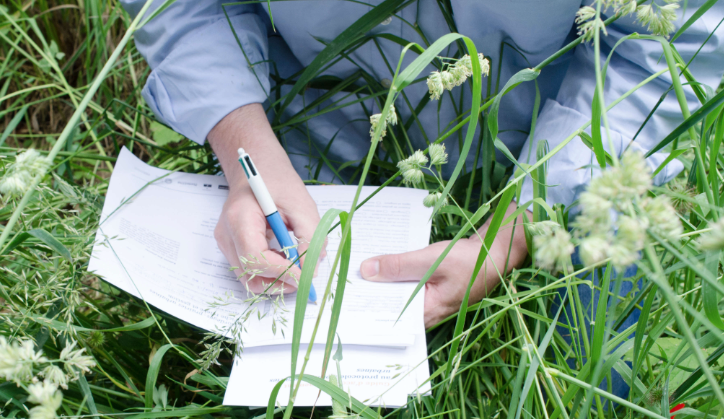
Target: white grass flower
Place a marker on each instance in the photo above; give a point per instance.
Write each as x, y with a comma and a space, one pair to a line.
631, 233
22, 172
55, 375
661, 23
588, 23
596, 214
584, 14
627, 8
635, 173
438, 155
541, 227
43, 412
459, 74
434, 85
625, 183
411, 167
32, 161
553, 251
42, 393
374, 121
392, 116
594, 249
417, 159
621, 256
74, 358
448, 80
48, 398
713, 240
465, 65
412, 176
663, 217
432, 199
17, 360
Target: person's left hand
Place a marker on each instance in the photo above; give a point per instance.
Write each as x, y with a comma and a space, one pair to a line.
445, 289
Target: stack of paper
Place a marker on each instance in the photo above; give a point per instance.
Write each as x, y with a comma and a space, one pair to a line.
156, 242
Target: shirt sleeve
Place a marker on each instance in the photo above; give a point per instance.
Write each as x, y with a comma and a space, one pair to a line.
200, 72
570, 170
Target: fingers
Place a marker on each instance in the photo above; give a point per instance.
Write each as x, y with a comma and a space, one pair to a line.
241, 236
303, 222
410, 266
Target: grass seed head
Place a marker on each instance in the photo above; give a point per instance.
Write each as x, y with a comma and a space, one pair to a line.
713, 240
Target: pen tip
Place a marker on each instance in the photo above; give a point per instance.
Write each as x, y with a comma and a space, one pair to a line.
314, 302
241, 152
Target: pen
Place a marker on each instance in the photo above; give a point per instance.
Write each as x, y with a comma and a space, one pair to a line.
263, 197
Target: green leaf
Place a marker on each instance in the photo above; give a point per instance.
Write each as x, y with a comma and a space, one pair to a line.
527, 74
13, 124
695, 117
305, 283
152, 374
163, 135
41, 235
346, 249
85, 389
490, 234
472, 124
693, 18
62, 326
710, 297
596, 131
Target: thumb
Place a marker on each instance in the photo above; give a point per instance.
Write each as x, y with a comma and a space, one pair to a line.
410, 266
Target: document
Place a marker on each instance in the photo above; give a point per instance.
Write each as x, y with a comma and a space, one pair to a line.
156, 242
376, 376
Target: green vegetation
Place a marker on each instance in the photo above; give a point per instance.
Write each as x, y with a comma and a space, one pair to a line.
70, 85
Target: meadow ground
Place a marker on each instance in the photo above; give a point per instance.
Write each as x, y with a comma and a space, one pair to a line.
70, 85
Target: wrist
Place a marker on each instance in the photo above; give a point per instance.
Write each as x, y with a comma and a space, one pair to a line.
247, 127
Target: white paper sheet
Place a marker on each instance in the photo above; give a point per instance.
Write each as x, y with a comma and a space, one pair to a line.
376, 376
160, 246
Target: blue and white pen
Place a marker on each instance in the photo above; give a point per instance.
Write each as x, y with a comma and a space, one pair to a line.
263, 197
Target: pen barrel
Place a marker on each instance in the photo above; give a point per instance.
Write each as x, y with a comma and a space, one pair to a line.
282, 235
263, 197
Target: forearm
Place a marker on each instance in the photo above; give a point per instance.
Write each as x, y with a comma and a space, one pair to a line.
507, 252
247, 127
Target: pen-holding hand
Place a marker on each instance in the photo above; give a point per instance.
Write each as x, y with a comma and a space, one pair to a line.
242, 230
445, 289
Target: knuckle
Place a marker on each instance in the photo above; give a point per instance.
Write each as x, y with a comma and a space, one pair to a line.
391, 265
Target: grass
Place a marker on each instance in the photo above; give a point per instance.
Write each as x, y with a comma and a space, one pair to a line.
67, 90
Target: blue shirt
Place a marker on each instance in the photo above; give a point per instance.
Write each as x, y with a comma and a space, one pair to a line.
200, 73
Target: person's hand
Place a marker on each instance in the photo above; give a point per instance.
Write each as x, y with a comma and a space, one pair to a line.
445, 289
242, 232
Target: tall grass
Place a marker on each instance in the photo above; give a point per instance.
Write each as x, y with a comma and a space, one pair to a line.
70, 87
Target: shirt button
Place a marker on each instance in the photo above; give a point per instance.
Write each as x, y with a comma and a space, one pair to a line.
386, 83
386, 21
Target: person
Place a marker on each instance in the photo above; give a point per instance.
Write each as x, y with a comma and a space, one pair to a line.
213, 68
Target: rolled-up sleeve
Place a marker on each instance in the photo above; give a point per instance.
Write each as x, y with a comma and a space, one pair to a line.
571, 169
200, 70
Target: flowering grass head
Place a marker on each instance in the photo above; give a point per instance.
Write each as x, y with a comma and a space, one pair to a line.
412, 166
455, 75
438, 155
713, 240
21, 174
390, 120
432, 199
622, 190
553, 249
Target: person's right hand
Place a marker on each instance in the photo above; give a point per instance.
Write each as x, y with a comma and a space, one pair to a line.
242, 232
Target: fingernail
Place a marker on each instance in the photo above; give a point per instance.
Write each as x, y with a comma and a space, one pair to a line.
370, 268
